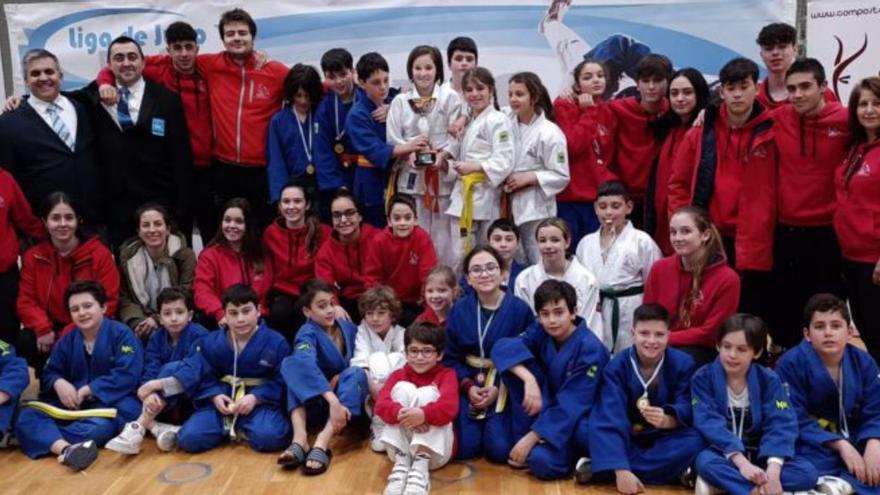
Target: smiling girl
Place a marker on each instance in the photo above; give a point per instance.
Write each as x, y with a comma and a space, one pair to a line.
486, 159
427, 109
589, 126
540, 169
554, 239
695, 284
477, 321
292, 242
234, 256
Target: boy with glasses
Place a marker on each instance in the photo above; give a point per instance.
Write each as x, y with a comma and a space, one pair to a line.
418, 404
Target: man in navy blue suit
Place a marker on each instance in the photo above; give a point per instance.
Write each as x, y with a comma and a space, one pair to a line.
48, 144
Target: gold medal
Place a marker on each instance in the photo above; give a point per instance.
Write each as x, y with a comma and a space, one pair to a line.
643, 401
310, 169
339, 148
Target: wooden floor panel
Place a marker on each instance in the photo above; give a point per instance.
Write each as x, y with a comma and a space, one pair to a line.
235, 469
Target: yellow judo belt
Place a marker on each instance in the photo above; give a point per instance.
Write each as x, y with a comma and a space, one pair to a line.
828, 425
69, 415
491, 378
390, 188
466, 221
239, 388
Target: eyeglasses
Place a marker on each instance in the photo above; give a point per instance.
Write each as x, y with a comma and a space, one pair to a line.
426, 351
339, 215
478, 270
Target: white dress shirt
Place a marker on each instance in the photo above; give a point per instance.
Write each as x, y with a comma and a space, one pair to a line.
67, 112
135, 97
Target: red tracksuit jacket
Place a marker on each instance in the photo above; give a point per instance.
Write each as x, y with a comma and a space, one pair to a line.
857, 218
810, 150
671, 146
637, 146
742, 201
401, 263
45, 276
15, 216
220, 267
342, 265
193, 93
590, 136
668, 284
292, 267
243, 101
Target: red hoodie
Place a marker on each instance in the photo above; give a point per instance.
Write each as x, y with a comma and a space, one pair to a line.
810, 149
193, 95
857, 218
400, 263
219, 268
668, 285
438, 413
590, 135
243, 101
637, 146
742, 202
671, 146
292, 266
769, 103
15, 216
45, 276
342, 265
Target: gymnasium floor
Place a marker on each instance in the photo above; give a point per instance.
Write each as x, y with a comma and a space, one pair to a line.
235, 469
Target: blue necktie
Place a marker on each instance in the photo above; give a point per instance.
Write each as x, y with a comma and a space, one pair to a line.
58, 125
122, 109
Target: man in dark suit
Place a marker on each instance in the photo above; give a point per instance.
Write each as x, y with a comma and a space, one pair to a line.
48, 144
144, 144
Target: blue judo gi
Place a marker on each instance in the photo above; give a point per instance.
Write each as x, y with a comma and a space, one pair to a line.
815, 399
770, 432
162, 359
313, 364
290, 148
209, 372
569, 379
628, 441
481, 436
112, 372
334, 169
374, 165
14, 378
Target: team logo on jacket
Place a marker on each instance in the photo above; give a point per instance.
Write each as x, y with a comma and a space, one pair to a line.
834, 132
127, 349
2, 202
413, 258
864, 170
262, 92
503, 137
759, 151
560, 157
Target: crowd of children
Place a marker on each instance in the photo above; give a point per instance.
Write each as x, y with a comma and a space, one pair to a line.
571, 286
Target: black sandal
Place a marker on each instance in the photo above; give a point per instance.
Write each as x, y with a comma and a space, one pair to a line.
320, 456
292, 457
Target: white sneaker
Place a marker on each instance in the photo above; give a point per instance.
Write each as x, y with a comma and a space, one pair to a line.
418, 480
703, 488
377, 426
166, 435
129, 441
832, 485
397, 478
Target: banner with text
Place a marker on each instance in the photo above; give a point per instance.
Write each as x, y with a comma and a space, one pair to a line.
544, 36
844, 36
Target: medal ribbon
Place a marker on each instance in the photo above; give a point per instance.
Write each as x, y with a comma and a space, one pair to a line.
306, 146
657, 369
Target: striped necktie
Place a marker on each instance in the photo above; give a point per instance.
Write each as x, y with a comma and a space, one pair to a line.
58, 125
125, 121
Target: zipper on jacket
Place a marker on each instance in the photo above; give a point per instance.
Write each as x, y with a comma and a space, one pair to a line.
238, 117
